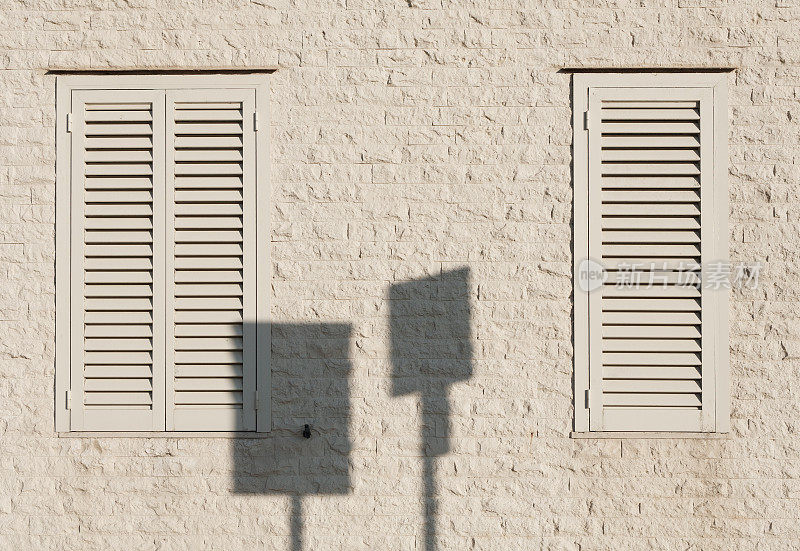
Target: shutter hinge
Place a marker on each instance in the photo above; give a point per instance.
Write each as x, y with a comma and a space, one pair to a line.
69, 399
69, 122
586, 120
255, 121
591, 399
256, 401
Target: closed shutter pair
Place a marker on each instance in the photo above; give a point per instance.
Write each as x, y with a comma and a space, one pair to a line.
650, 211
164, 261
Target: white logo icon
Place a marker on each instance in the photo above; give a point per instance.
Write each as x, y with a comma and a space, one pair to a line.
591, 275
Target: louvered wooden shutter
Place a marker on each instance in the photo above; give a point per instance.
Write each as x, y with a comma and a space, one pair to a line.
211, 260
117, 317
652, 348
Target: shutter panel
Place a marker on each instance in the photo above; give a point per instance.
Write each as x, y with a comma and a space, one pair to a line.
211, 260
650, 205
117, 333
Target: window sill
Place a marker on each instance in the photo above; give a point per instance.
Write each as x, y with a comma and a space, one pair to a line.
650, 435
132, 434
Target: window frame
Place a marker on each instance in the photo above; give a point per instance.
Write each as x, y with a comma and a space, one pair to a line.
65, 86
582, 83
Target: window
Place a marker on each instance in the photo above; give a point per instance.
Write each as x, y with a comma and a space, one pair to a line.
162, 260
650, 219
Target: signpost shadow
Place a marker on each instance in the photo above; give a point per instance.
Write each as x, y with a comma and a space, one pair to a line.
431, 350
310, 386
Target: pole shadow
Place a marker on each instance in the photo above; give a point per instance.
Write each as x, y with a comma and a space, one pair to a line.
310, 375
431, 350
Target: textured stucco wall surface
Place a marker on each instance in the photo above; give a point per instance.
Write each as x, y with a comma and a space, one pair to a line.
411, 139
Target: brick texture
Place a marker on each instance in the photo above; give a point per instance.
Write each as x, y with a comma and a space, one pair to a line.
412, 140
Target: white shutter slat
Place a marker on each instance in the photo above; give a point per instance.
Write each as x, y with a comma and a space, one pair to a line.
118, 183
622, 155
118, 358
208, 303
678, 265
121, 210
204, 276
211, 272
651, 331
209, 196
209, 370
202, 316
189, 330
119, 196
221, 236
109, 129
208, 248
648, 156
651, 318
650, 345
655, 291
651, 209
208, 289
143, 372
649, 141
652, 249
117, 317
617, 127
122, 114
108, 223
208, 222
233, 113
110, 263
108, 155
196, 155
115, 401
229, 399
119, 249
644, 236
656, 277
209, 209
649, 304
651, 222
208, 384
208, 129
119, 304
646, 372
653, 386
204, 142
117, 344
127, 236
654, 358
652, 399
209, 263
108, 330
652, 196
612, 111
208, 343
100, 290
207, 168
203, 182
119, 384
139, 142
646, 169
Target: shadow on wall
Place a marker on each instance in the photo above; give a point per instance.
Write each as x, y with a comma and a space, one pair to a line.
430, 351
310, 385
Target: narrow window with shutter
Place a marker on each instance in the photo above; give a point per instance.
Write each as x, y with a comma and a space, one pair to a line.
650, 222
162, 257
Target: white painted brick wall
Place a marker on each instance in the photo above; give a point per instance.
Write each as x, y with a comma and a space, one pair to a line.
411, 138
